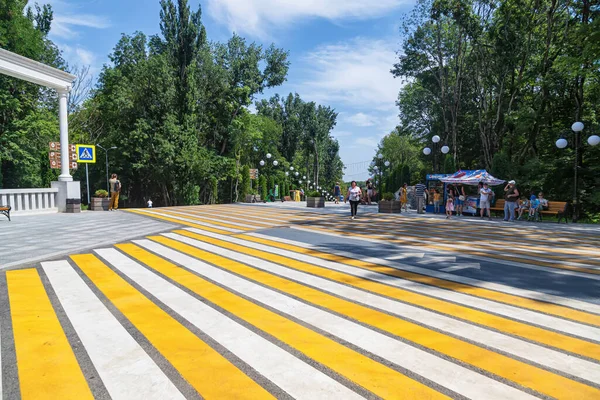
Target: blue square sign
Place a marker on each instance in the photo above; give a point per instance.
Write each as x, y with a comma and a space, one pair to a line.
86, 153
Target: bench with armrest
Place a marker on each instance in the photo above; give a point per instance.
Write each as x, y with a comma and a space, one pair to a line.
556, 208
5, 210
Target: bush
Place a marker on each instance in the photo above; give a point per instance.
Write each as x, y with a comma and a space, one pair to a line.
245, 182
387, 196
262, 183
314, 193
101, 193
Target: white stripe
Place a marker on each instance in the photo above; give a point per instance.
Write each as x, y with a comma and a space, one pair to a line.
406, 255
125, 368
150, 213
458, 248
205, 215
274, 363
461, 266
211, 219
445, 373
436, 259
530, 294
541, 355
527, 316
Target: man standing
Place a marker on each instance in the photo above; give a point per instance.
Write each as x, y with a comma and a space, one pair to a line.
420, 195
485, 199
511, 195
115, 190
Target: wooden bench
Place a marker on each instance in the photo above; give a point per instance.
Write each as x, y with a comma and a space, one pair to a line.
5, 210
558, 209
498, 207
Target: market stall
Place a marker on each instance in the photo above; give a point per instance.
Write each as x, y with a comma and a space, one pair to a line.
472, 179
434, 182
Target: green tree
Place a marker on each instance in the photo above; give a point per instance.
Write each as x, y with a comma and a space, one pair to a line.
29, 112
245, 187
262, 183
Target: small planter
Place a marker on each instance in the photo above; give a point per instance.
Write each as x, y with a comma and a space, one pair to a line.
315, 202
251, 198
99, 204
390, 207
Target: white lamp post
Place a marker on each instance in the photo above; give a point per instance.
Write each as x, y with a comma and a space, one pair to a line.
562, 143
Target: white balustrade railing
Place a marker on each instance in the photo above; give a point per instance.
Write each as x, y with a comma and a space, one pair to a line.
29, 200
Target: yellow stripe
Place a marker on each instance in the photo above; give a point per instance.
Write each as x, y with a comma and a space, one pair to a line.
46, 363
375, 234
375, 377
505, 367
547, 308
179, 222
549, 338
230, 218
212, 375
212, 222
524, 243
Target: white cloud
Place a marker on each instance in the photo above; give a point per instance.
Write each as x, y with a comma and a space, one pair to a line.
66, 20
86, 57
361, 119
340, 134
65, 26
354, 73
256, 17
367, 141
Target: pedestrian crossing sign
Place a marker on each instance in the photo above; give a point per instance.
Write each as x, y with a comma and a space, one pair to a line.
86, 153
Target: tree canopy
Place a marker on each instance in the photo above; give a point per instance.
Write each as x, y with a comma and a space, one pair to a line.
500, 82
175, 107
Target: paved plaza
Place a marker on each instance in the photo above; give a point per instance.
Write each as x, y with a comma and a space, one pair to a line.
281, 301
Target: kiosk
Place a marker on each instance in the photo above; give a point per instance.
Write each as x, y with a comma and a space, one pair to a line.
434, 182
470, 178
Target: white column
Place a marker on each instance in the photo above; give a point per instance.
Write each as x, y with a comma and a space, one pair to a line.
65, 176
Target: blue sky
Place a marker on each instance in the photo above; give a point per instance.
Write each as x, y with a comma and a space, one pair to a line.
341, 51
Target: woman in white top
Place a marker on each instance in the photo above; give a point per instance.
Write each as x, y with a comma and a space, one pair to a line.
354, 195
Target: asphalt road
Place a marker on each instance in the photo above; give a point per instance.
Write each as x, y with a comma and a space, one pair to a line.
278, 301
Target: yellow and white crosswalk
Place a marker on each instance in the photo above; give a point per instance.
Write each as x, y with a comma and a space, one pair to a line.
217, 310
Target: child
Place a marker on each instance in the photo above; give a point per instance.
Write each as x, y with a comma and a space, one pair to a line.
449, 207
534, 205
436, 201
523, 206
149, 203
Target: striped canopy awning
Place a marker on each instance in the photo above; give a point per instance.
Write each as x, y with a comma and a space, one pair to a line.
472, 178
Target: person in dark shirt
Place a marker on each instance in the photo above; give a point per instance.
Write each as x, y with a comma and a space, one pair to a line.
370, 191
511, 196
420, 195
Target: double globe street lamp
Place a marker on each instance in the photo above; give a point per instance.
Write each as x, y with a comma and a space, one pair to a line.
436, 143
562, 143
378, 168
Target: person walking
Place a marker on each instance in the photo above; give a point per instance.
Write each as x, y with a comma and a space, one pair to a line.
354, 195
485, 199
511, 195
420, 195
115, 189
337, 192
370, 191
404, 197
460, 199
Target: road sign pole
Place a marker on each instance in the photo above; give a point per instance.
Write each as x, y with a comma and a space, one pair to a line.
87, 180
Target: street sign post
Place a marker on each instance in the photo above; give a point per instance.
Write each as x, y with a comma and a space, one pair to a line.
86, 153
